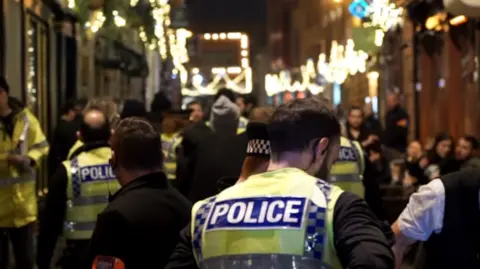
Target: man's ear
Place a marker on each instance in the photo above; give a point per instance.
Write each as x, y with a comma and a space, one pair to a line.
321, 147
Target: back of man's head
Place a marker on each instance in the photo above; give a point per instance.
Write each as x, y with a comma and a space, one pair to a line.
95, 126
295, 125
137, 145
107, 106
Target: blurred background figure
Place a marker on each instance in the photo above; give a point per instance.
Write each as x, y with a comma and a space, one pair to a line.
371, 121
465, 153
396, 124
133, 108
439, 158
197, 114
356, 129
245, 104
220, 154
65, 133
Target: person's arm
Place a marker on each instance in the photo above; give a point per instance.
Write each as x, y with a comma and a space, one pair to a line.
38, 146
422, 216
110, 238
361, 241
52, 218
182, 257
373, 195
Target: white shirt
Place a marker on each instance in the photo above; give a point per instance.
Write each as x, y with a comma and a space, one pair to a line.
424, 212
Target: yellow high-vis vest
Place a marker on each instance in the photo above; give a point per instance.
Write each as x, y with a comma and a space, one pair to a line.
279, 219
90, 183
72, 150
170, 144
18, 194
242, 125
347, 171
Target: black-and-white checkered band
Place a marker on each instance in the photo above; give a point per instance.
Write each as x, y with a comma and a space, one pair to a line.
258, 147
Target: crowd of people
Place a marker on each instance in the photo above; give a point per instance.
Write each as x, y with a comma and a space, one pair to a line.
228, 185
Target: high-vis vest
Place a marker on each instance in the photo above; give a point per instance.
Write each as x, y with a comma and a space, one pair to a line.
347, 171
281, 219
90, 183
170, 144
18, 194
72, 150
242, 125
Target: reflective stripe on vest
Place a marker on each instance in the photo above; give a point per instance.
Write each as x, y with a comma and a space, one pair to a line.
285, 256
90, 184
9, 181
170, 151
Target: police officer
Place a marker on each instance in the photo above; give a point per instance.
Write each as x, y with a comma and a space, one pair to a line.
22, 146
78, 192
286, 218
171, 141
445, 216
347, 172
109, 108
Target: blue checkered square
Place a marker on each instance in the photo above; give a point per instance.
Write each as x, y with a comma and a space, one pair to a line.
200, 219
76, 182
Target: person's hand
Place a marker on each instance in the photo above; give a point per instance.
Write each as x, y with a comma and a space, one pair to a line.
370, 140
16, 159
374, 156
423, 163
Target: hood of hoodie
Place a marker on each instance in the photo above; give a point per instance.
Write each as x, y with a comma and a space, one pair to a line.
224, 116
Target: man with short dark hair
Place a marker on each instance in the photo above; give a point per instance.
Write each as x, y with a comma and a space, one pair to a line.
196, 114
287, 217
141, 224
465, 152
78, 192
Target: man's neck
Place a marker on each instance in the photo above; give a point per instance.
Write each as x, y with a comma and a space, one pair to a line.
5, 111
133, 175
292, 161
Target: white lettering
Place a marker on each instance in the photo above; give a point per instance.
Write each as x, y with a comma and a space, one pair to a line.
263, 212
291, 209
220, 210
85, 173
238, 208
271, 216
249, 213
101, 173
94, 173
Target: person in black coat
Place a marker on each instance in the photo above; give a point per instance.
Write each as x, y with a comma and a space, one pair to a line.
395, 135
218, 155
141, 224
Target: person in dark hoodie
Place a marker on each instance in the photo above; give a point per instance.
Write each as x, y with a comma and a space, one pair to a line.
219, 154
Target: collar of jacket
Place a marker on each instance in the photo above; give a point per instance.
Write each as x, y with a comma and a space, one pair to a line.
88, 147
156, 180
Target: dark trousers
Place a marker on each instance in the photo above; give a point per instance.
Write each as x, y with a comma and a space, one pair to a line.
22, 240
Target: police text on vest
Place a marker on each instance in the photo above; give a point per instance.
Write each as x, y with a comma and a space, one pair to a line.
257, 213
97, 172
347, 154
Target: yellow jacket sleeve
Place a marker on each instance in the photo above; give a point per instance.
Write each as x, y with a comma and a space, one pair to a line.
37, 142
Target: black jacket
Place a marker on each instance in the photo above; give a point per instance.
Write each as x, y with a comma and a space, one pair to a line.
141, 224
217, 156
361, 241
396, 129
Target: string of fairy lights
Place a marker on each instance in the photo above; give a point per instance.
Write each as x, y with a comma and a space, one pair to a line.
31, 70
169, 42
